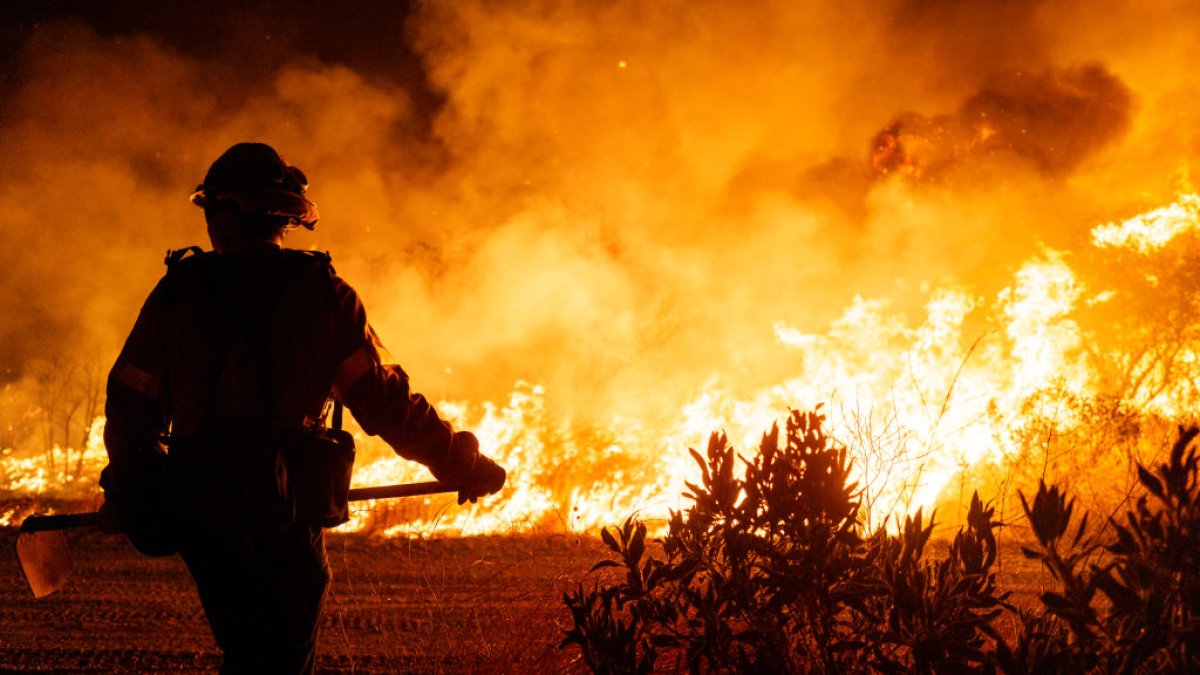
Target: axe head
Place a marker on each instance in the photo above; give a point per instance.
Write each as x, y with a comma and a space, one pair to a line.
45, 560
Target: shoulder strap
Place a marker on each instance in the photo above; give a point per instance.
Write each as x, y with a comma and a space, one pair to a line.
319, 262
176, 255
331, 293
324, 262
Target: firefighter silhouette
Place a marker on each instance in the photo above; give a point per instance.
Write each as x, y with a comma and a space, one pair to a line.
231, 365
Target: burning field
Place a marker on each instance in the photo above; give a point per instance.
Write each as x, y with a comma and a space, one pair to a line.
597, 232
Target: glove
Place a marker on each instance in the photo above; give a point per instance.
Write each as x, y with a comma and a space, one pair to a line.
464, 465
486, 478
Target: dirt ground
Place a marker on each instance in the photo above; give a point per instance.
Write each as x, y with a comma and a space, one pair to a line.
475, 605
483, 605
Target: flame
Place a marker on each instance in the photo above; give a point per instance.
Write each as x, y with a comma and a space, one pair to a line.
919, 402
1150, 231
657, 226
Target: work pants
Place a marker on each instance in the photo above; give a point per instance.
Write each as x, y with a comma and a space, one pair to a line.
263, 594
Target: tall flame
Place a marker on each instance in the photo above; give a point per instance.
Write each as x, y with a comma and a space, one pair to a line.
918, 403
666, 219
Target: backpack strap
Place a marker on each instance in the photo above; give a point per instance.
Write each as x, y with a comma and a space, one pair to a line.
176, 255
324, 261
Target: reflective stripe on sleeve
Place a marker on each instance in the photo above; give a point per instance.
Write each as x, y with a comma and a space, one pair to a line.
137, 379
353, 368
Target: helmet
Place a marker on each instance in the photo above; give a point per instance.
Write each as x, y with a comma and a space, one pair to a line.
256, 178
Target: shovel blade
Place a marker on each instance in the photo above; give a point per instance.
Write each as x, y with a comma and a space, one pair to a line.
45, 559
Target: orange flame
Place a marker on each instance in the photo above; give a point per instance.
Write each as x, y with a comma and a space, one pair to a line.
918, 402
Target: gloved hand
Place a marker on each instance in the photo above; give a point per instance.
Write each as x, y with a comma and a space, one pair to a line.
486, 478
464, 465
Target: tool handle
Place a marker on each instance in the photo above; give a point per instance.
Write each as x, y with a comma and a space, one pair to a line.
432, 487
72, 520
61, 521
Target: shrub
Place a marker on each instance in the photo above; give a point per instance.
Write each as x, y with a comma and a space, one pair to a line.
773, 573
1146, 567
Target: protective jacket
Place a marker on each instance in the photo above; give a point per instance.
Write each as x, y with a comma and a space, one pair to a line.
258, 339
227, 345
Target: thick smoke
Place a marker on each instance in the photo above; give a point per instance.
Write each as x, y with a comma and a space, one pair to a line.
1052, 121
617, 200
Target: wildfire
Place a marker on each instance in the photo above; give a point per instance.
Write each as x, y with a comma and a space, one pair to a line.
1152, 230
919, 403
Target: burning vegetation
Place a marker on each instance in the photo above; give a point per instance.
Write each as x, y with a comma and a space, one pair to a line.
601, 234
774, 573
1085, 372
597, 233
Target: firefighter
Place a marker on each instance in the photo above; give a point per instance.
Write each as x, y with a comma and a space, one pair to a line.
233, 348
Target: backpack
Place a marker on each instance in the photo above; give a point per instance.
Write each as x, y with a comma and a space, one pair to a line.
259, 478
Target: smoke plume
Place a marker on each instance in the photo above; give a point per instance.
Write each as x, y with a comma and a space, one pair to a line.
1052, 121
616, 200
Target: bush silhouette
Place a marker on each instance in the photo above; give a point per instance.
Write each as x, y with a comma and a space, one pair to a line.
774, 573
771, 573
1146, 567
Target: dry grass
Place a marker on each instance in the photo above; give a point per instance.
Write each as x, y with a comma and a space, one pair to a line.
479, 605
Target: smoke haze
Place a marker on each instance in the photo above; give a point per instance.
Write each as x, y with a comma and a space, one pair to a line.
618, 200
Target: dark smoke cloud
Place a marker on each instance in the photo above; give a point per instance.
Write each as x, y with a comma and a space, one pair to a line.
1051, 121
971, 37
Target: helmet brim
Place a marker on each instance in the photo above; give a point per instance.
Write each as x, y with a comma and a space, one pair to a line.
298, 209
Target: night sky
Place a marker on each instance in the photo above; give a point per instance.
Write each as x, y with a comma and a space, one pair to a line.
258, 36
